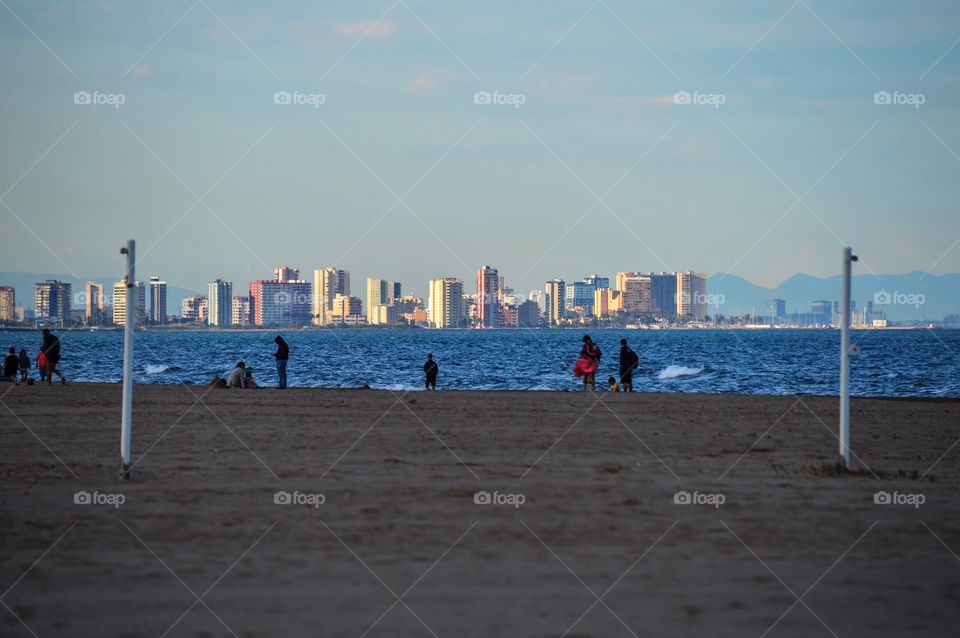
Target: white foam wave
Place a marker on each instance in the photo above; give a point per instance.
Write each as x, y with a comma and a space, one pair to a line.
672, 372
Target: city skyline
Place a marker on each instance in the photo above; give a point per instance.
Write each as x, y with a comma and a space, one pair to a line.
622, 130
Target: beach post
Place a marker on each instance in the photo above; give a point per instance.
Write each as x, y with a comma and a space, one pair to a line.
848, 259
128, 330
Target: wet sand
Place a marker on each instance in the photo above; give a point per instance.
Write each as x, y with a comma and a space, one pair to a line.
587, 541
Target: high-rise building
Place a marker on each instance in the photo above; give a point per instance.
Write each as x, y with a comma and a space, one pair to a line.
597, 281
240, 312
488, 297
555, 292
663, 294
158, 301
408, 304
692, 295
776, 308
194, 308
635, 293
378, 294
327, 284
282, 303
8, 303
539, 297
445, 308
52, 300
93, 303
220, 303
286, 273
606, 302
346, 309
396, 290
120, 302
528, 314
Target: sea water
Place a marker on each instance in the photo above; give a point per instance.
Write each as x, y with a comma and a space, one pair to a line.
890, 363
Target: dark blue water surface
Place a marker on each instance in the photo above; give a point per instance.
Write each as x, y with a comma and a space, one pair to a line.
891, 362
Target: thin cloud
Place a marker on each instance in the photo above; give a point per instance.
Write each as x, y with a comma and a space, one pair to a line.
380, 30
430, 81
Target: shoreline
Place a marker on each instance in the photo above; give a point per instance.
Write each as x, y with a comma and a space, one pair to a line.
458, 391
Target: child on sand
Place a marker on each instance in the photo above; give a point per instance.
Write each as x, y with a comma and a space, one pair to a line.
613, 385
42, 366
24, 365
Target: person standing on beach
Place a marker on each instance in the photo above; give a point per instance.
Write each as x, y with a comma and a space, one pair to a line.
24, 365
628, 363
50, 346
430, 371
588, 363
281, 355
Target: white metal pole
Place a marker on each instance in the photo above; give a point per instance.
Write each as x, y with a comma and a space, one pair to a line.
848, 258
128, 331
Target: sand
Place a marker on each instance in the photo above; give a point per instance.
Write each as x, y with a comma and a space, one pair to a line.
587, 541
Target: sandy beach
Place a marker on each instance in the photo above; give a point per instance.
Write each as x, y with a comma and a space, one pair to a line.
352, 513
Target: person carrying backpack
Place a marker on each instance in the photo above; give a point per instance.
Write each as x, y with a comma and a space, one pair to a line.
628, 363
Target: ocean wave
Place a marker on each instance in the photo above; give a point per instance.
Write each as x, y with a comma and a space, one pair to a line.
151, 368
672, 372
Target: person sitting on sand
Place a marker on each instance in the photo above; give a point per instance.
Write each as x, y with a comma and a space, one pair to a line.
430, 371
24, 365
249, 383
613, 385
235, 378
588, 363
42, 366
11, 366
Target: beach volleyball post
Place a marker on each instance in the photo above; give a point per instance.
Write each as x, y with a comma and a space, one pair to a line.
128, 328
845, 353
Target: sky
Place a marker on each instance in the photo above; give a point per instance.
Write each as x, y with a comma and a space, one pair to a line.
426, 139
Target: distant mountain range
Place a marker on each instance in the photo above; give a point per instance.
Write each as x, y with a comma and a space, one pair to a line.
913, 296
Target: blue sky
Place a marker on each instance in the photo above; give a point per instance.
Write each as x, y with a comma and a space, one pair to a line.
681, 186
